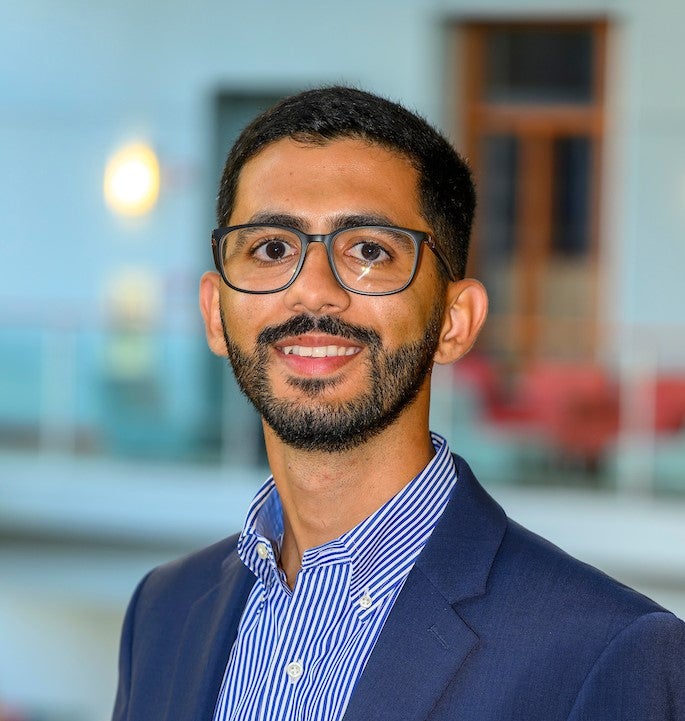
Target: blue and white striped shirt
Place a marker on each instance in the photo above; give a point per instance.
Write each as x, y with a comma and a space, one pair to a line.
299, 653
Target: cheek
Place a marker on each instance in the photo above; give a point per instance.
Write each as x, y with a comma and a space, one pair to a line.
236, 318
399, 323
245, 315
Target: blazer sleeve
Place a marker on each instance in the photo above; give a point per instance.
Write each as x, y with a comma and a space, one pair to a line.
640, 676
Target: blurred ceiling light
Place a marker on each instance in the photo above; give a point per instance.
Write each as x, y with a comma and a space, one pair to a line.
132, 180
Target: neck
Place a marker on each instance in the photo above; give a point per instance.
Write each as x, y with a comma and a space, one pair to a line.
326, 494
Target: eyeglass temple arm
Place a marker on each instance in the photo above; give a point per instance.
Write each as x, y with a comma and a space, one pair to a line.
430, 242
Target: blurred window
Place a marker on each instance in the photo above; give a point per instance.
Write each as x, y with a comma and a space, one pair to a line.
539, 64
532, 119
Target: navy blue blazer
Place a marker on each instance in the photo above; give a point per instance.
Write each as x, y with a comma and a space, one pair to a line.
492, 624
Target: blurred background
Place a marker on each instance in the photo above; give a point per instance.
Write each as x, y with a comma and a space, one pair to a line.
124, 442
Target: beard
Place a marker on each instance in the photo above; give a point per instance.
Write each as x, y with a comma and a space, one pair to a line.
394, 380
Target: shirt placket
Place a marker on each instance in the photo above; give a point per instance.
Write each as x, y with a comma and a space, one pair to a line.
289, 676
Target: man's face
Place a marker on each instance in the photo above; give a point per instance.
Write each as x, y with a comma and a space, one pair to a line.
326, 368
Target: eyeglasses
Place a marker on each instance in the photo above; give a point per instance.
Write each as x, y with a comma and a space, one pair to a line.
369, 260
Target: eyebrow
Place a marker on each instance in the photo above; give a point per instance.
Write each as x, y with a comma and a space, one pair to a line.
339, 221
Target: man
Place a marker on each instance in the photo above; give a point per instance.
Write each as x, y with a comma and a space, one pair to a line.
374, 577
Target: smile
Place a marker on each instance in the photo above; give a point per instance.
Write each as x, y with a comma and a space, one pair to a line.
321, 351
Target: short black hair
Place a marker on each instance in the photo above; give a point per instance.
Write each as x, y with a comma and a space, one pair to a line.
446, 193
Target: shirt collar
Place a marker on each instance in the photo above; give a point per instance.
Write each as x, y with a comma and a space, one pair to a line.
391, 537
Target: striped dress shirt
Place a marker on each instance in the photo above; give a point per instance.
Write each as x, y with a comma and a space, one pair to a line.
299, 653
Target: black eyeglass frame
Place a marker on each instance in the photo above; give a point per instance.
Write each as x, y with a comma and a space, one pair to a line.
418, 237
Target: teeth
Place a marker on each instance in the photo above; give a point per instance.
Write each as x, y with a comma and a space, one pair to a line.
322, 351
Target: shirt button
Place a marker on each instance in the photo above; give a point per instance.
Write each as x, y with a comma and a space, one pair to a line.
262, 551
294, 671
365, 601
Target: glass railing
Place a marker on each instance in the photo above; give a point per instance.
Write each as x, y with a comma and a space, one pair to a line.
80, 390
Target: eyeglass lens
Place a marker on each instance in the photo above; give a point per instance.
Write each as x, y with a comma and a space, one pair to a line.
369, 259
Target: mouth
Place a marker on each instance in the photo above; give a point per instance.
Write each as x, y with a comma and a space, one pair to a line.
319, 351
316, 355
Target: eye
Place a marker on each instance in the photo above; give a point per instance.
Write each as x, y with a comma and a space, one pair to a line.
273, 250
369, 252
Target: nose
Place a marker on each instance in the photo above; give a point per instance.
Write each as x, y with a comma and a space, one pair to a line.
316, 290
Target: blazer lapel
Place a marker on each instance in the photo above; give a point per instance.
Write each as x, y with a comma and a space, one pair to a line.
208, 635
424, 641
422, 646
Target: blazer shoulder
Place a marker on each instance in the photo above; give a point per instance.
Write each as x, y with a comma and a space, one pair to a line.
191, 576
563, 592
538, 555
526, 569
587, 636
641, 669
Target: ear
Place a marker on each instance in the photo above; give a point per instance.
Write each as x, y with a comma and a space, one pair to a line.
210, 286
466, 308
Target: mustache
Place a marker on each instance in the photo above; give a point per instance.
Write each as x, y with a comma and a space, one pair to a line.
300, 324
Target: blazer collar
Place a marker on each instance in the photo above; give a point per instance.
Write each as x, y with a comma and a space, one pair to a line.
460, 552
425, 641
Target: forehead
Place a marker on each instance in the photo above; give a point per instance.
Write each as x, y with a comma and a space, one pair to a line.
347, 175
